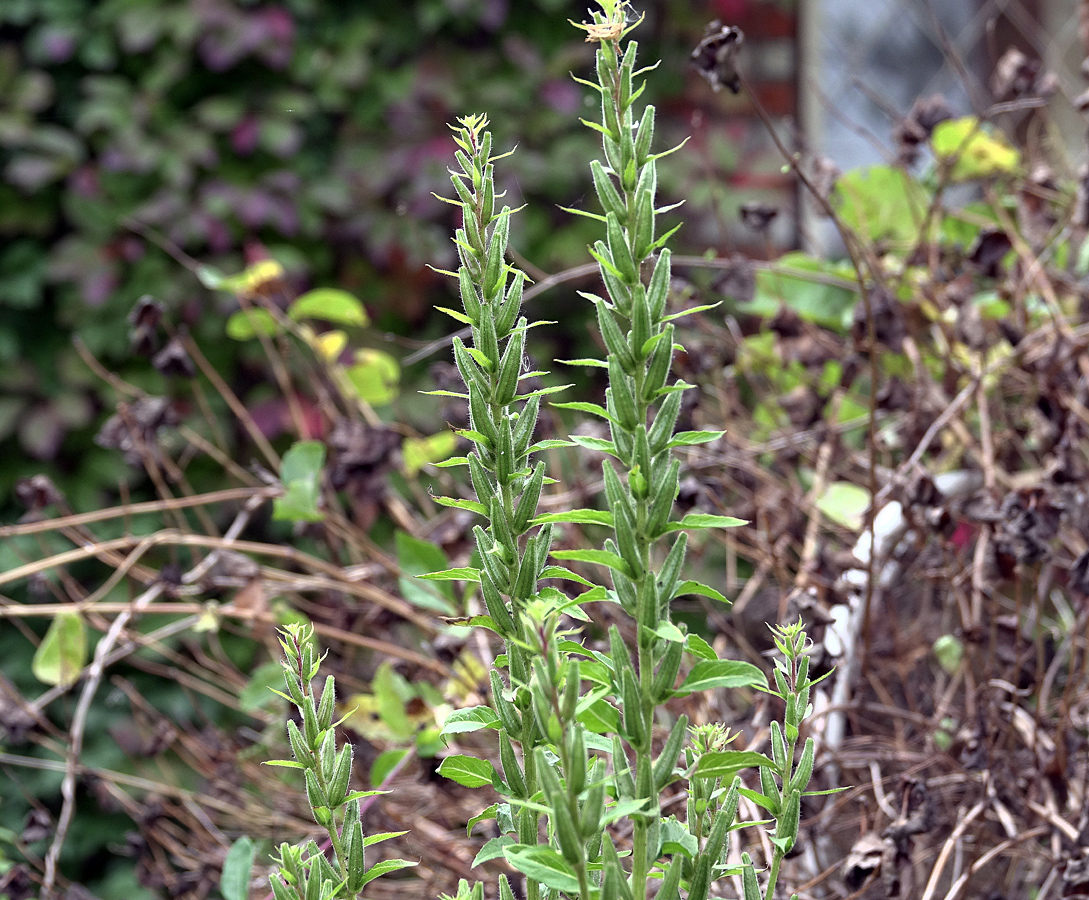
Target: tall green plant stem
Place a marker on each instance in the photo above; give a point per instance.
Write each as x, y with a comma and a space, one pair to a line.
638, 364
501, 424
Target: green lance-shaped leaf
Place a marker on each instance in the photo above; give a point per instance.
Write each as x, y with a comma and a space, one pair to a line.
470, 301
607, 193
342, 773
643, 221
495, 266
671, 750
644, 136
531, 495
632, 709
593, 807
509, 716
354, 853
666, 677
623, 776
770, 790
778, 747
512, 302
471, 372
626, 540
497, 609
664, 422
804, 771
482, 483
621, 252
615, 342
512, 771
486, 340
623, 398
664, 498
576, 759
661, 361
504, 452
327, 706
327, 757
510, 366
467, 771
670, 889
789, 818
658, 289
494, 567
545, 865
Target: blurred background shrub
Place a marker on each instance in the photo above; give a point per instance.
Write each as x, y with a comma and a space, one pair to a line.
140, 138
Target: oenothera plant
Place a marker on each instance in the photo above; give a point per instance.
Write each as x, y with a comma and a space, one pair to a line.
576, 726
578, 742
305, 872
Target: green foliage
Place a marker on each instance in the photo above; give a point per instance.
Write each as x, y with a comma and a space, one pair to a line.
880, 203
973, 150
585, 758
304, 872
62, 654
827, 304
234, 880
301, 476
134, 133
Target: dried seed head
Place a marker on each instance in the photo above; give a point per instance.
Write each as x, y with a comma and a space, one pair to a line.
715, 57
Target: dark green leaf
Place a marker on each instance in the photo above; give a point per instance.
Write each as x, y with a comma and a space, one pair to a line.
545, 865
724, 763
721, 673
467, 771
472, 719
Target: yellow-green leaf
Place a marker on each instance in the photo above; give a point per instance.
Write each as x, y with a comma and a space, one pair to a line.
329, 305
978, 152
374, 376
246, 324
62, 653
419, 452
844, 503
